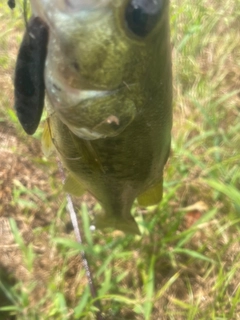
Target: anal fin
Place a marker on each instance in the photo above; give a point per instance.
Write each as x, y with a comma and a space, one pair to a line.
151, 196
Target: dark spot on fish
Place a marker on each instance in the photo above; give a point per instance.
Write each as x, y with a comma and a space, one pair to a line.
56, 87
76, 66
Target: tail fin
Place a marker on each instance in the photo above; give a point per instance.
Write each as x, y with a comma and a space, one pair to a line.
126, 225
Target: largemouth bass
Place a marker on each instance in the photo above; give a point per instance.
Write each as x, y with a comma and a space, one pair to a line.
109, 90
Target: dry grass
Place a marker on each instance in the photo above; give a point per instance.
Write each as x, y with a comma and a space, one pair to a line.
186, 265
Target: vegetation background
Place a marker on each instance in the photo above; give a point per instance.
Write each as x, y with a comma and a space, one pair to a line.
187, 263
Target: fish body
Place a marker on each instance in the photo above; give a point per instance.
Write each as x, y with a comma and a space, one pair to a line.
109, 87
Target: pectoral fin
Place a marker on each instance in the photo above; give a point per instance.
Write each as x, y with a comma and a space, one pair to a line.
47, 144
152, 196
73, 186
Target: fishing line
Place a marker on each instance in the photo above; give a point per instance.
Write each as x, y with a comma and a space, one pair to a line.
25, 14
78, 236
12, 5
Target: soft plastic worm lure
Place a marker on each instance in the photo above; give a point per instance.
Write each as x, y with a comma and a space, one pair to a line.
29, 75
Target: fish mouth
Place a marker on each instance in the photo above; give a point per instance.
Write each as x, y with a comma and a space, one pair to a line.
85, 4
46, 9
90, 114
72, 4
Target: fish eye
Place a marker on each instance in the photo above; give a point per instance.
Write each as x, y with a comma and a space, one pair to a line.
142, 15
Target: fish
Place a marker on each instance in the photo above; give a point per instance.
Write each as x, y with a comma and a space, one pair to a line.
108, 83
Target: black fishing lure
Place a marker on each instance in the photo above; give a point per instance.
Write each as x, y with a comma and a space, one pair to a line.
29, 75
11, 4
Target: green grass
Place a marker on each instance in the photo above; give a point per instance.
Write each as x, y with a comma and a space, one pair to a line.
180, 268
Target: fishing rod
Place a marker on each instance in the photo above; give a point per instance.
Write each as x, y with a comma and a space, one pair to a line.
73, 216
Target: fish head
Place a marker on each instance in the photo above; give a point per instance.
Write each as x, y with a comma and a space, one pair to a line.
101, 56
